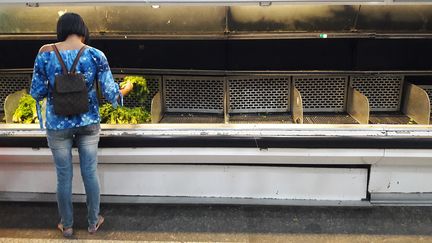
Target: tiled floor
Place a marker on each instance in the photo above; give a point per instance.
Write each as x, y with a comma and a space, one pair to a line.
35, 222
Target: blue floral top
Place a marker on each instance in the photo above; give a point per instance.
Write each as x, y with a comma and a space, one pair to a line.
93, 64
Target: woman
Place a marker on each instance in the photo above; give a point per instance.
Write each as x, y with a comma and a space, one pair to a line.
82, 129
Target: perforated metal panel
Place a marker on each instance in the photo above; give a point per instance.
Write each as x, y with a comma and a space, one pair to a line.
193, 94
428, 89
328, 119
251, 94
11, 83
192, 118
152, 84
322, 93
383, 91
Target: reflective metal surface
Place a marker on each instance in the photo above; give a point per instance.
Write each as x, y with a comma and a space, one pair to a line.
156, 108
118, 20
417, 104
291, 18
358, 106
428, 89
223, 22
296, 106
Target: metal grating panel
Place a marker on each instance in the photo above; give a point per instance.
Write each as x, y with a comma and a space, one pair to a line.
193, 94
261, 118
383, 91
327, 118
390, 119
251, 94
428, 89
152, 84
192, 118
11, 83
322, 93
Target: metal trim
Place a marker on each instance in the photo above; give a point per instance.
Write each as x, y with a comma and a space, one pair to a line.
135, 140
39, 3
150, 71
79, 198
287, 157
227, 36
412, 199
226, 101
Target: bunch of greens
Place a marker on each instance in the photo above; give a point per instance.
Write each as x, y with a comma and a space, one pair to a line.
123, 115
140, 90
26, 111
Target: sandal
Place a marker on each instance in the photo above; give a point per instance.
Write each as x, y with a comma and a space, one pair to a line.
94, 227
67, 232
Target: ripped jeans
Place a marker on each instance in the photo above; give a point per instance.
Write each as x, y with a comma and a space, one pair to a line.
60, 142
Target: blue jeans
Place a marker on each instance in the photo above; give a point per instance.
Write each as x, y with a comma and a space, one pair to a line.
60, 142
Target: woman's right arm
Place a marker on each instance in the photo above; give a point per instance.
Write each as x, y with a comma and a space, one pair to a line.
110, 89
127, 88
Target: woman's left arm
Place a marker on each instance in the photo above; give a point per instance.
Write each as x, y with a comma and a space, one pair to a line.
39, 84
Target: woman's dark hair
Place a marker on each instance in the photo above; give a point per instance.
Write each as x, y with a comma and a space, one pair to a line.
69, 24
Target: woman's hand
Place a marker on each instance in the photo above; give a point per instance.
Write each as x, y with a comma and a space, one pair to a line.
127, 88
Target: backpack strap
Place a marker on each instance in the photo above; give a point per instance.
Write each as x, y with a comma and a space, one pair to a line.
65, 71
77, 59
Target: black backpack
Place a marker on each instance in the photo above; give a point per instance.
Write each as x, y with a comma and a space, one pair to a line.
70, 93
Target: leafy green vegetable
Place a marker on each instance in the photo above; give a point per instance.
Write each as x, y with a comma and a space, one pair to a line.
123, 115
140, 90
26, 111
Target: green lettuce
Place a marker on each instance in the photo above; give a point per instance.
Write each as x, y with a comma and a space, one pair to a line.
123, 115
26, 111
140, 90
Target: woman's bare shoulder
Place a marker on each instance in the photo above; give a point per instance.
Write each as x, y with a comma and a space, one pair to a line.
46, 48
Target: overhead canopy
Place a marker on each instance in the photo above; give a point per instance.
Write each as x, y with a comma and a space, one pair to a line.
214, 2
224, 22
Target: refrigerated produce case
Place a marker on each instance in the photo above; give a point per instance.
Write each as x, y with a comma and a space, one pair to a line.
249, 104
